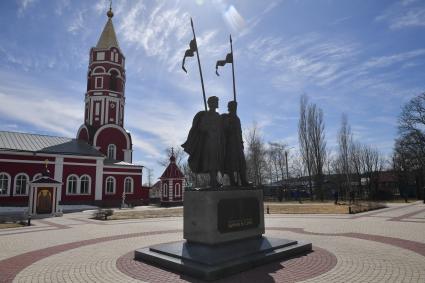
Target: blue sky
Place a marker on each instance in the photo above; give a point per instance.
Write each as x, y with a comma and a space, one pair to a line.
362, 58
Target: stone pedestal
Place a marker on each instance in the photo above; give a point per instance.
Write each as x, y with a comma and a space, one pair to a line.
217, 216
223, 230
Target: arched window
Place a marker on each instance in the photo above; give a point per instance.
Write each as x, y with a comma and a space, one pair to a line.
112, 149
128, 185
113, 83
85, 185
165, 190
37, 176
72, 185
110, 185
21, 184
178, 189
4, 184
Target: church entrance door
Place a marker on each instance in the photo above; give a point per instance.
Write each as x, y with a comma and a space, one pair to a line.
44, 200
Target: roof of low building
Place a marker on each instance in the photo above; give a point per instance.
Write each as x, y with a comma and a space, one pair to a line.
45, 180
25, 142
172, 171
114, 162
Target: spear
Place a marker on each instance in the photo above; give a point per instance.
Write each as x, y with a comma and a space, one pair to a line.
229, 59
193, 47
233, 69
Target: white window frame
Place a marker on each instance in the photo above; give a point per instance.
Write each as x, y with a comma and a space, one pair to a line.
96, 84
114, 157
165, 190
131, 185
178, 190
26, 186
37, 176
97, 106
77, 184
100, 56
8, 184
80, 185
113, 185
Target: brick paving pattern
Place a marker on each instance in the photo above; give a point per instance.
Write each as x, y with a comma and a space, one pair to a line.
381, 246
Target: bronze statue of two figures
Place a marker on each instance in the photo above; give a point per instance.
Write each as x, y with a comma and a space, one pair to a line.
215, 143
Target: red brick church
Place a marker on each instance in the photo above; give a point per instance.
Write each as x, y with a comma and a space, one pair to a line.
95, 167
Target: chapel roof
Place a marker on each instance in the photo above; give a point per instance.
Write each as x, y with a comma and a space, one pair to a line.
172, 171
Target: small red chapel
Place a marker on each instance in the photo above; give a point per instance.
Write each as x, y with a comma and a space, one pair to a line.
172, 184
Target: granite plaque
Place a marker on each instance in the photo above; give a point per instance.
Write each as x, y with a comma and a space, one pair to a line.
238, 214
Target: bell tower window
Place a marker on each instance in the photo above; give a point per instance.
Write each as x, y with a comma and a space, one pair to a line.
100, 56
99, 82
112, 149
113, 83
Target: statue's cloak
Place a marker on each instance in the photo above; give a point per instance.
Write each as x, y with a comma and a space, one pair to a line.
205, 143
195, 143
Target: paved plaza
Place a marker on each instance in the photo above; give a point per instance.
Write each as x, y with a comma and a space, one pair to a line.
386, 245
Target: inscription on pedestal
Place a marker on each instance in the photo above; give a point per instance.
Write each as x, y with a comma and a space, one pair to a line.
238, 214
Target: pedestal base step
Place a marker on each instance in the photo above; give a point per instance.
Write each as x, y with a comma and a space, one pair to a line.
213, 262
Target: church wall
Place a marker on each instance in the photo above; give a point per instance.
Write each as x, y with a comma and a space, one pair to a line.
124, 169
27, 156
111, 135
139, 196
79, 171
80, 160
83, 135
14, 168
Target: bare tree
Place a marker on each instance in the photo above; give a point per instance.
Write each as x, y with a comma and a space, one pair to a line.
149, 176
179, 154
410, 145
316, 139
305, 146
276, 162
296, 166
311, 134
373, 164
344, 142
255, 156
356, 150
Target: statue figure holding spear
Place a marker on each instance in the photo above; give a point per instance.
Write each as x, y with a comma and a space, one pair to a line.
205, 142
234, 164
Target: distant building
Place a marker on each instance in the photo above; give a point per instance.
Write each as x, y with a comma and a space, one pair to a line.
94, 168
155, 193
172, 179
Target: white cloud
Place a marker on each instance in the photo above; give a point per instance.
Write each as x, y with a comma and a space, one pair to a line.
254, 21
412, 18
77, 22
61, 6
234, 19
155, 31
46, 109
403, 14
301, 60
23, 5
385, 61
145, 146
165, 120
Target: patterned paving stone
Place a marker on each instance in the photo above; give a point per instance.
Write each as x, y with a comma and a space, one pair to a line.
379, 246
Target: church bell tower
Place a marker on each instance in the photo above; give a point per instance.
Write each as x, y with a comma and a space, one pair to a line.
105, 95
